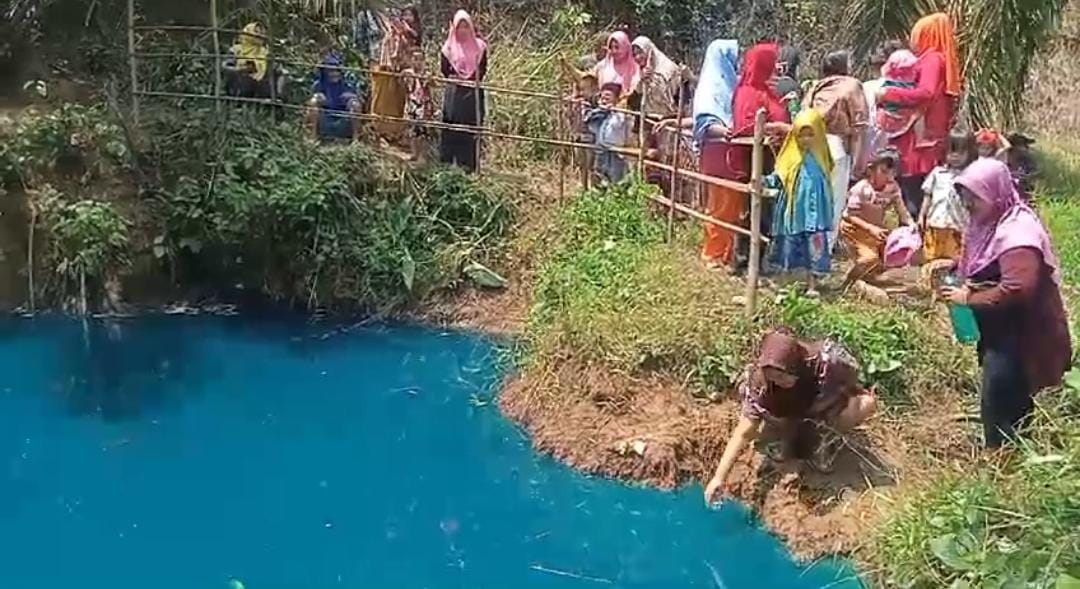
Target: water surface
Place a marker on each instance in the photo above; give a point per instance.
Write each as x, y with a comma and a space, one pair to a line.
186, 452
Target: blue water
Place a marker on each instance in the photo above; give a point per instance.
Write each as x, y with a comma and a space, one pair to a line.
186, 452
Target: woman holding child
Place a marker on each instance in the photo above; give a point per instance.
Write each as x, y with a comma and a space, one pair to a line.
938, 85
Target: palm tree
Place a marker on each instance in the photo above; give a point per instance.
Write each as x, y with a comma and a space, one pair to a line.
999, 39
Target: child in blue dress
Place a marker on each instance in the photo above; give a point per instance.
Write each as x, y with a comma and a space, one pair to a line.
802, 217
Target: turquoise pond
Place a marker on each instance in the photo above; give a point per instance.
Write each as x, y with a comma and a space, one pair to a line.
193, 452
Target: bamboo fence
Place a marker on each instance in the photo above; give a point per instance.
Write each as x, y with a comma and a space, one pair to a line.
753, 189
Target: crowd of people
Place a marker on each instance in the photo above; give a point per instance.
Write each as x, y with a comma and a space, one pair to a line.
395, 91
846, 155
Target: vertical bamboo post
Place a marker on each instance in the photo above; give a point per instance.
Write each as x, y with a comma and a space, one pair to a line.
756, 169
676, 182
641, 133
479, 123
270, 51
561, 114
132, 61
217, 54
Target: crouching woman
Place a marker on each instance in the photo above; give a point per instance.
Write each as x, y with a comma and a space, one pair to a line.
793, 384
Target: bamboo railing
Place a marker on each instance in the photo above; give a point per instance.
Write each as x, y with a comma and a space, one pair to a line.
753, 189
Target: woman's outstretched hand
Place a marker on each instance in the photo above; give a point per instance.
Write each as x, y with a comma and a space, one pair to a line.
714, 491
956, 295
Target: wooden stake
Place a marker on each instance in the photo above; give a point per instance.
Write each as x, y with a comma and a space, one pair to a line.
560, 112
757, 164
217, 51
641, 135
479, 122
270, 51
30, 258
676, 180
133, 63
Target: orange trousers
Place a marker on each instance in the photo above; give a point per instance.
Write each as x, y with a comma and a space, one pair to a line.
725, 205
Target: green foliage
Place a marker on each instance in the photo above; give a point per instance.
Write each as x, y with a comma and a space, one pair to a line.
1015, 524
998, 40
611, 290
243, 195
73, 140
900, 351
90, 238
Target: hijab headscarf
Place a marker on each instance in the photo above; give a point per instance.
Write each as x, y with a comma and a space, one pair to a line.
463, 49
935, 33
782, 351
336, 93
662, 65
900, 66
789, 164
1012, 225
251, 49
619, 66
716, 86
759, 66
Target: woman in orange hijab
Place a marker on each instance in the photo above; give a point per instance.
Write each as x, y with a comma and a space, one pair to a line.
939, 83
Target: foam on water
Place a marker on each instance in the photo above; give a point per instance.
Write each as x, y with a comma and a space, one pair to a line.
189, 452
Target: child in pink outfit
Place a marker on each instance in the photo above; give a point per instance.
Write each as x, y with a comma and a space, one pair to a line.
895, 119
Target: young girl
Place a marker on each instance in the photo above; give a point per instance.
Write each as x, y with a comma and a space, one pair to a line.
802, 216
863, 226
418, 105
943, 217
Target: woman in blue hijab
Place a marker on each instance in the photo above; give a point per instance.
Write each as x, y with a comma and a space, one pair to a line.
335, 102
715, 91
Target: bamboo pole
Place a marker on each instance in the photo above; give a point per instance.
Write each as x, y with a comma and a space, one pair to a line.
479, 123
757, 162
667, 202
132, 61
217, 51
676, 181
30, 258
270, 51
560, 113
193, 28
641, 134
702, 178
362, 70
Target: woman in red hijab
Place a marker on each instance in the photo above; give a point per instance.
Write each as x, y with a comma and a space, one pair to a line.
755, 91
938, 85
732, 161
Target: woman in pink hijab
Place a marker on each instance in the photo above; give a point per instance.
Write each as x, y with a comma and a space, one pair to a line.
1013, 286
619, 66
464, 57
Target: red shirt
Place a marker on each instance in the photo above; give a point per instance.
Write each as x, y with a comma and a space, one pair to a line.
920, 155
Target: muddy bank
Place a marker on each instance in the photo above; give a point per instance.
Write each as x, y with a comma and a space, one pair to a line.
651, 430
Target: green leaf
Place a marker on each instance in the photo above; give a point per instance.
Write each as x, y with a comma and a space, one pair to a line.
947, 549
408, 271
1067, 581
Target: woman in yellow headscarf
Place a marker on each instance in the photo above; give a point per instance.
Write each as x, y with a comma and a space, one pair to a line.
803, 215
247, 70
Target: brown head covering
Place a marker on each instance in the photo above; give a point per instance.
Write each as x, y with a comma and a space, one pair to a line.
782, 351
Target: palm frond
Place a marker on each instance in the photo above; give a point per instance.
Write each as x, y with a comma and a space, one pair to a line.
998, 39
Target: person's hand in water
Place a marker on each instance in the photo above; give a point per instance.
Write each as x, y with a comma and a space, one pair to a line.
714, 491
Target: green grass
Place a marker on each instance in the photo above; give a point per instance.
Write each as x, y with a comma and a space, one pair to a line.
613, 291
1012, 521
